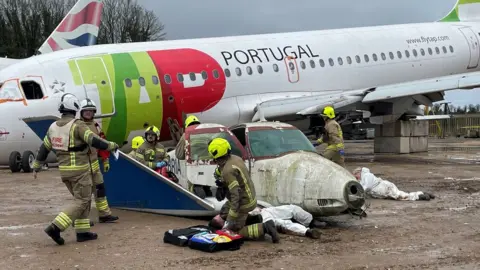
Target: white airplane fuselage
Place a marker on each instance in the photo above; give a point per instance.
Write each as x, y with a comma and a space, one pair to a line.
221, 80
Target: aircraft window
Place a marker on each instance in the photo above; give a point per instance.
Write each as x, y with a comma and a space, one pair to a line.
384, 57
141, 81
340, 61
415, 53
430, 51
204, 75
215, 74
391, 55
374, 56
312, 64
260, 69
399, 54
9, 90
155, 79
437, 50
451, 48
167, 78
302, 65
199, 145
444, 49
276, 142
180, 77
322, 63
422, 52
128, 83
366, 58
275, 67
227, 72
407, 53
238, 71
32, 90
330, 61
357, 58
349, 60
249, 71
192, 76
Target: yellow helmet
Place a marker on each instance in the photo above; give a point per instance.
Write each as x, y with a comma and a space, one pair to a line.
219, 147
153, 130
137, 141
329, 112
192, 119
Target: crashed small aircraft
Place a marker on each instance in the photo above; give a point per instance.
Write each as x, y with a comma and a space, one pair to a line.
284, 166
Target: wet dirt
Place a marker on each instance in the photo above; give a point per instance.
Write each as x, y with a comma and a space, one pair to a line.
440, 234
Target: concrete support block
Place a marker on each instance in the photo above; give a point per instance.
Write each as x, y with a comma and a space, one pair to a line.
397, 145
418, 144
419, 128
395, 129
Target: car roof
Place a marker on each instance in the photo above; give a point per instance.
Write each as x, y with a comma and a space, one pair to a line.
268, 124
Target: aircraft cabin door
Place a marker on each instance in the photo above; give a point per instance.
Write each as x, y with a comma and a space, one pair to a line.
292, 69
473, 45
97, 84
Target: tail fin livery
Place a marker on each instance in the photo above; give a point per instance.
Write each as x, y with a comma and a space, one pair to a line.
79, 28
464, 11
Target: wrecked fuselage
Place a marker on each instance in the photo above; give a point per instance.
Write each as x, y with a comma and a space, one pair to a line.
283, 165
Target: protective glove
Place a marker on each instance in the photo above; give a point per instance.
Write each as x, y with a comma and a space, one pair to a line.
315, 144
341, 152
220, 194
161, 164
106, 166
228, 225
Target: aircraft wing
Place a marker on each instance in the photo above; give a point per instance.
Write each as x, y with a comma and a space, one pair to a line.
421, 92
40, 124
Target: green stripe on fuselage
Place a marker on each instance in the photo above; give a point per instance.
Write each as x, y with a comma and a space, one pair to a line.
144, 109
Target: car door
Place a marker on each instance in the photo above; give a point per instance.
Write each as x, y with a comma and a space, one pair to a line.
199, 165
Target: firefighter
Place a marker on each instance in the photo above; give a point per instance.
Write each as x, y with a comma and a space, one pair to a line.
70, 138
87, 111
136, 142
333, 137
180, 148
239, 191
152, 153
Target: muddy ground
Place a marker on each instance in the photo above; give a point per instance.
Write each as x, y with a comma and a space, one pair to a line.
440, 234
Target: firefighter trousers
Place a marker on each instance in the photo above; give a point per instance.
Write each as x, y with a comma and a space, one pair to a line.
99, 193
335, 156
250, 232
80, 186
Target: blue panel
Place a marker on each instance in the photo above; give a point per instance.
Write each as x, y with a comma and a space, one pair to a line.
130, 184
86, 39
40, 127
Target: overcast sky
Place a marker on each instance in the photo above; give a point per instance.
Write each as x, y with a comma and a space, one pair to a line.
215, 18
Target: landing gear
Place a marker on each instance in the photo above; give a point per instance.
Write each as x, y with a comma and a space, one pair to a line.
23, 162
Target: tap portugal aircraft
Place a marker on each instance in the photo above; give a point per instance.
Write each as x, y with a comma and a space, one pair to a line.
388, 71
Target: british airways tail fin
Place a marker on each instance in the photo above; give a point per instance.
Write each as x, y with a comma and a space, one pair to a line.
79, 28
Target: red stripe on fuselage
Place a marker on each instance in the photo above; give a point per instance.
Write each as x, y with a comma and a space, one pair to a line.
178, 97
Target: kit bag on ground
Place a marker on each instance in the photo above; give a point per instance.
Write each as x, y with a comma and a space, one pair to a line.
213, 242
180, 237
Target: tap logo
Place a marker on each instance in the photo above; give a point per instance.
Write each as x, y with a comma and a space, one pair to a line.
57, 87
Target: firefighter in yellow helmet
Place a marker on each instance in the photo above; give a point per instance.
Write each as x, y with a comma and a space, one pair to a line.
181, 146
235, 181
333, 137
136, 142
152, 153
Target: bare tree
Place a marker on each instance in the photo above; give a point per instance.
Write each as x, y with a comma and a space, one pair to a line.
126, 21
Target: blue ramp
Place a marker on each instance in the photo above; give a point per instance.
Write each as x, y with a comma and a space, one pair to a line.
133, 186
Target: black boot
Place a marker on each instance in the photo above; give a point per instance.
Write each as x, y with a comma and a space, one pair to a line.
317, 224
430, 195
314, 234
54, 232
86, 236
424, 197
108, 219
269, 228
92, 224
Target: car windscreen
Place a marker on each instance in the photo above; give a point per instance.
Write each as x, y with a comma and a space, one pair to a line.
275, 142
199, 145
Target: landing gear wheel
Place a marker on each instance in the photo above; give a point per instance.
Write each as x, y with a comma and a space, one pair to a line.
27, 161
199, 191
15, 162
